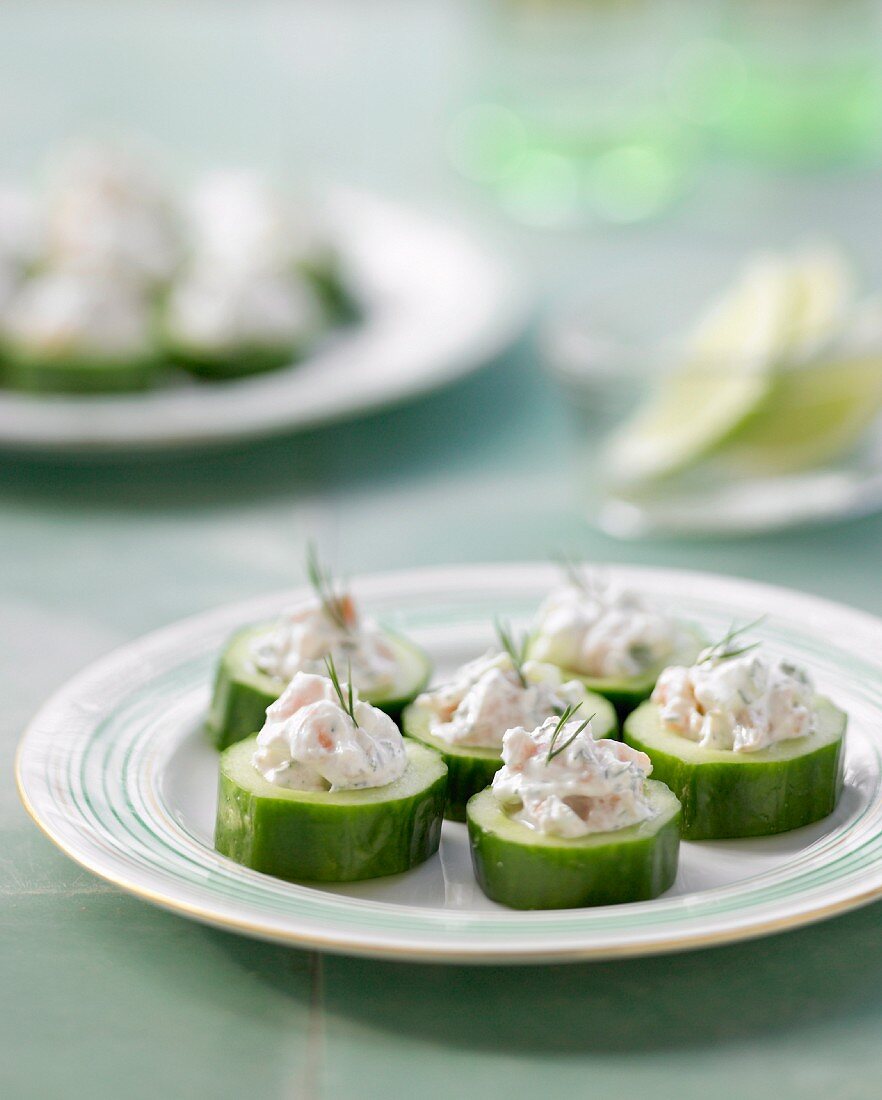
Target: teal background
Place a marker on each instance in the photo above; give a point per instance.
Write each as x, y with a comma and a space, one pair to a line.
103, 996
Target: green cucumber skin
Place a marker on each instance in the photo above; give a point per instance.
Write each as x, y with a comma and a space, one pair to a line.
743, 799
528, 876
241, 364
327, 841
239, 700
238, 708
470, 771
324, 277
466, 775
73, 377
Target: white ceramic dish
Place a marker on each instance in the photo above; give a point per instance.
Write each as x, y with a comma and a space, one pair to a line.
116, 771
437, 306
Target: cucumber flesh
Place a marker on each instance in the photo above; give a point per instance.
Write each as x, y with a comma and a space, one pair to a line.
320, 836
734, 794
470, 769
525, 869
242, 692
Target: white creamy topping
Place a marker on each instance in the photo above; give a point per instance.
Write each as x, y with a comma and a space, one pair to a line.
589, 787
305, 637
239, 221
739, 703
486, 698
107, 214
224, 309
61, 314
598, 631
310, 743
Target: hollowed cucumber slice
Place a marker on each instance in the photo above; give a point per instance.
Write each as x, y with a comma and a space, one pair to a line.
219, 365
319, 836
471, 769
242, 692
732, 794
524, 869
37, 374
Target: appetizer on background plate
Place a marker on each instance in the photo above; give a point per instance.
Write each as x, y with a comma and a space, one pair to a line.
124, 277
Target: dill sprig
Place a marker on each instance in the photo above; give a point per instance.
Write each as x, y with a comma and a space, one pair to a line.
724, 650
553, 748
347, 701
322, 581
517, 650
581, 576
573, 571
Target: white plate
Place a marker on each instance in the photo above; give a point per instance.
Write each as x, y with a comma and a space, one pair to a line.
437, 306
115, 770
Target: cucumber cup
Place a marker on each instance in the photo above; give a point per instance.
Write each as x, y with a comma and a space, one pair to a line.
220, 365
77, 375
739, 794
525, 869
242, 692
325, 836
324, 273
470, 769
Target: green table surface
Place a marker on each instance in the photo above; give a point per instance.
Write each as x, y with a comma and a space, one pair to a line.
104, 996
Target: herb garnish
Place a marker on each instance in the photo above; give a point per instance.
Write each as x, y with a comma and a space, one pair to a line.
553, 748
517, 650
322, 582
347, 702
723, 650
573, 571
581, 576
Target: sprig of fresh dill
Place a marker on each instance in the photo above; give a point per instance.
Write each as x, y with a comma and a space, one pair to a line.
580, 575
322, 581
573, 571
347, 701
516, 649
553, 748
723, 649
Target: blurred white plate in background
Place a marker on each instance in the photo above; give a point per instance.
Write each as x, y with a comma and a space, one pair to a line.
437, 306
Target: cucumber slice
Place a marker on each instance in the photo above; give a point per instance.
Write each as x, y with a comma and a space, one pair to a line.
319, 836
217, 366
325, 276
623, 692
471, 769
42, 375
242, 693
524, 869
729, 794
